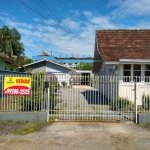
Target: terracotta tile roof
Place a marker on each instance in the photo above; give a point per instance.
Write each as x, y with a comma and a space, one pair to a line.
9, 60
123, 44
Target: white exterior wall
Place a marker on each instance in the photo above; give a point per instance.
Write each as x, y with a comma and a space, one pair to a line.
61, 73
61, 77
113, 89
127, 90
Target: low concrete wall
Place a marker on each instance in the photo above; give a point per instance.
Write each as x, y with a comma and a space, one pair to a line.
24, 116
143, 118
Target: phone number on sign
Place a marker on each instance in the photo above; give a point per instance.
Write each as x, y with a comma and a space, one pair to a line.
18, 91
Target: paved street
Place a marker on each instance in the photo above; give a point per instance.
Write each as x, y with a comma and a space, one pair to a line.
81, 136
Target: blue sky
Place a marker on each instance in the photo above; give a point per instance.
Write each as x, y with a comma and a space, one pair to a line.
67, 27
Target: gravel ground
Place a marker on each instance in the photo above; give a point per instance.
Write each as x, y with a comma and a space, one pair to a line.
79, 98
81, 136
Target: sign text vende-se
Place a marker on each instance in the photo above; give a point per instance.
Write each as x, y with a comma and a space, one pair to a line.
17, 86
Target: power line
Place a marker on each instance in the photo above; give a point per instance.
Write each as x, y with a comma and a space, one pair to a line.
2, 22
40, 14
30, 50
64, 25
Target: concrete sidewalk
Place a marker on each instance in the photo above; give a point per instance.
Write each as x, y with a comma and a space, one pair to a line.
81, 136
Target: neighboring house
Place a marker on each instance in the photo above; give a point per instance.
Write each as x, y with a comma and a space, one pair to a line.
65, 61
7, 67
125, 54
7, 64
61, 72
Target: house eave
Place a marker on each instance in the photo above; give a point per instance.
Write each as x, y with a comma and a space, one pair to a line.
111, 62
97, 60
128, 61
134, 61
49, 62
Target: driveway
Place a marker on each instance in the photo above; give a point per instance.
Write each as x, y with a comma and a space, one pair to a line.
81, 136
83, 102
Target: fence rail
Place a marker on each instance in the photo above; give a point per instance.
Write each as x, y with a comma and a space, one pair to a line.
81, 98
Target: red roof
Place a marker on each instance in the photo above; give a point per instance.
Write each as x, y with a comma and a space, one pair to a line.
9, 60
123, 44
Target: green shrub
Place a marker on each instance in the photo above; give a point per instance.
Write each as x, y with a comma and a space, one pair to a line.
146, 102
64, 83
140, 108
39, 94
122, 104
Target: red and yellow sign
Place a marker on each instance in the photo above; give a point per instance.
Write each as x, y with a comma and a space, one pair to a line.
19, 86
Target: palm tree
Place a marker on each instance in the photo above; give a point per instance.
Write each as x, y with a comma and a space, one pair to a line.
10, 43
4, 36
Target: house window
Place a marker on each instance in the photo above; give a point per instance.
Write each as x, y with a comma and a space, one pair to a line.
137, 73
11, 69
5, 68
127, 73
147, 73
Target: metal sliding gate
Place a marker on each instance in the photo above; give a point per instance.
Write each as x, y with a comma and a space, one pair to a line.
85, 98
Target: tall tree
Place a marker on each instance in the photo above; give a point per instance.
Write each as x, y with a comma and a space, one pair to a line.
4, 36
22, 60
10, 43
84, 66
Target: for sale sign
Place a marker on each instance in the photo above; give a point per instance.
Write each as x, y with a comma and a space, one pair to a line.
17, 86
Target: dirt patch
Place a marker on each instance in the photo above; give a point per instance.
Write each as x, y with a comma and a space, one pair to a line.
147, 126
121, 142
7, 127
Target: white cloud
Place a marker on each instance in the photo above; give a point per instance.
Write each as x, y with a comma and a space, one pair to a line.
87, 13
50, 22
24, 31
103, 22
141, 24
71, 24
130, 7
14, 24
74, 13
36, 19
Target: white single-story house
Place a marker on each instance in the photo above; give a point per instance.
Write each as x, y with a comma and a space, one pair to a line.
124, 54
61, 72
